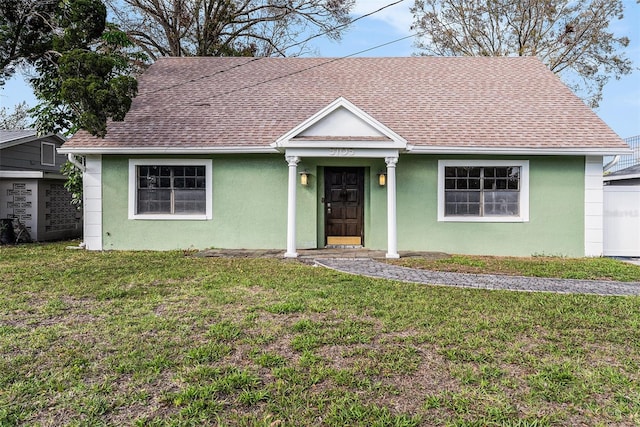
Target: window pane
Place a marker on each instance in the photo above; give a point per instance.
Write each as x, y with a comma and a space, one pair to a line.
190, 201
482, 191
513, 178
496, 178
147, 177
154, 201
462, 203
171, 190
449, 184
178, 182
48, 154
501, 203
462, 178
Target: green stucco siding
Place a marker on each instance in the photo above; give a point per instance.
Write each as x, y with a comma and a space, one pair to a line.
250, 209
556, 215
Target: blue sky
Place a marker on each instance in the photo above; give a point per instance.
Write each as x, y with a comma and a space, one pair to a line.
620, 107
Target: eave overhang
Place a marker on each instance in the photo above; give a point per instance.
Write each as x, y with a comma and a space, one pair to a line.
411, 149
30, 175
167, 150
525, 151
620, 177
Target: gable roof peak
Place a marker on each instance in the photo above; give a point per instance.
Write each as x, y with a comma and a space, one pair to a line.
341, 123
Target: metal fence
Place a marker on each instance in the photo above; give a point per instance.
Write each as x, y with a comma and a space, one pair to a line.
627, 160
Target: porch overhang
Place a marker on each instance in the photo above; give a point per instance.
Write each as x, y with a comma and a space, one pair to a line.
341, 131
343, 152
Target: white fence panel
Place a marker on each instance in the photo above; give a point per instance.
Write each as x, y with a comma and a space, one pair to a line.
622, 220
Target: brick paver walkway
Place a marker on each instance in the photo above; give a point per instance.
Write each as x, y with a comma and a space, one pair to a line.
372, 268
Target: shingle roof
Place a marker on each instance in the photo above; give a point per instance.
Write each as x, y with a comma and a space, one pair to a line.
9, 136
630, 171
429, 101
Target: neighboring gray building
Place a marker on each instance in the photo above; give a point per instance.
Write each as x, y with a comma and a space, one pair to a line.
627, 176
32, 187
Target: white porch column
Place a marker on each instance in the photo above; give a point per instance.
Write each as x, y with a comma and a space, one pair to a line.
291, 206
392, 227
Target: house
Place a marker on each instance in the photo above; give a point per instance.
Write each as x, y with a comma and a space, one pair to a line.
461, 155
622, 212
32, 188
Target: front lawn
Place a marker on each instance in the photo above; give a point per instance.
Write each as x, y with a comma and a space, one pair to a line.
538, 266
155, 339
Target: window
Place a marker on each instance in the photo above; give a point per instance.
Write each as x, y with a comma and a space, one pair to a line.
169, 189
489, 191
47, 154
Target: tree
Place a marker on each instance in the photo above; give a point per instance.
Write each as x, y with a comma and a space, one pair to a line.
82, 70
227, 27
73, 184
18, 119
24, 32
571, 37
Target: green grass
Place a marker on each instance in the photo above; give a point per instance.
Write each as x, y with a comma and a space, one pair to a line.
165, 339
537, 266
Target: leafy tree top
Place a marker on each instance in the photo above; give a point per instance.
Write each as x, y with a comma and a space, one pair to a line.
81, 64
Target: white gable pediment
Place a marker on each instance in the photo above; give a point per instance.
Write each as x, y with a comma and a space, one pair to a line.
341, 124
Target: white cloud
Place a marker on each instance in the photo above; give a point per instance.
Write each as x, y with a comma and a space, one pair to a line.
397, 16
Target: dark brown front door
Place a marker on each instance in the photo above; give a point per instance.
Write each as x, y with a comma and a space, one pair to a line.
344, 207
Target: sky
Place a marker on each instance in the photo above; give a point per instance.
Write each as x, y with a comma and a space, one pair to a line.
620, 107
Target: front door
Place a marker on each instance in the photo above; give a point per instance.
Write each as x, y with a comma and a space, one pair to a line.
344, 207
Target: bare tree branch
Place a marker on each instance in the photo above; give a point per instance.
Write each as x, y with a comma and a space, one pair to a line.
570, 36
226, 27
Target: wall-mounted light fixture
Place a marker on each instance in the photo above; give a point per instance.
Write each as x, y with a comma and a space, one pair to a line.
382, 178
304, 178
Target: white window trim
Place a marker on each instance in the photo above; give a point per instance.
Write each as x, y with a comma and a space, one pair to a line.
524, 190
134, 163
42, 162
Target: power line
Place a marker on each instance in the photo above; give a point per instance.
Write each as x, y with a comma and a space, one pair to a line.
366, 15
162, 89
289, 47
329, 61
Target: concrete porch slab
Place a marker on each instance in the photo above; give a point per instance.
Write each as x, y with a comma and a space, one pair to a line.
310, 254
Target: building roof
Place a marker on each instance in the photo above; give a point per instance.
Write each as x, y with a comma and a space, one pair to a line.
9, 138
431, 102
631, 172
